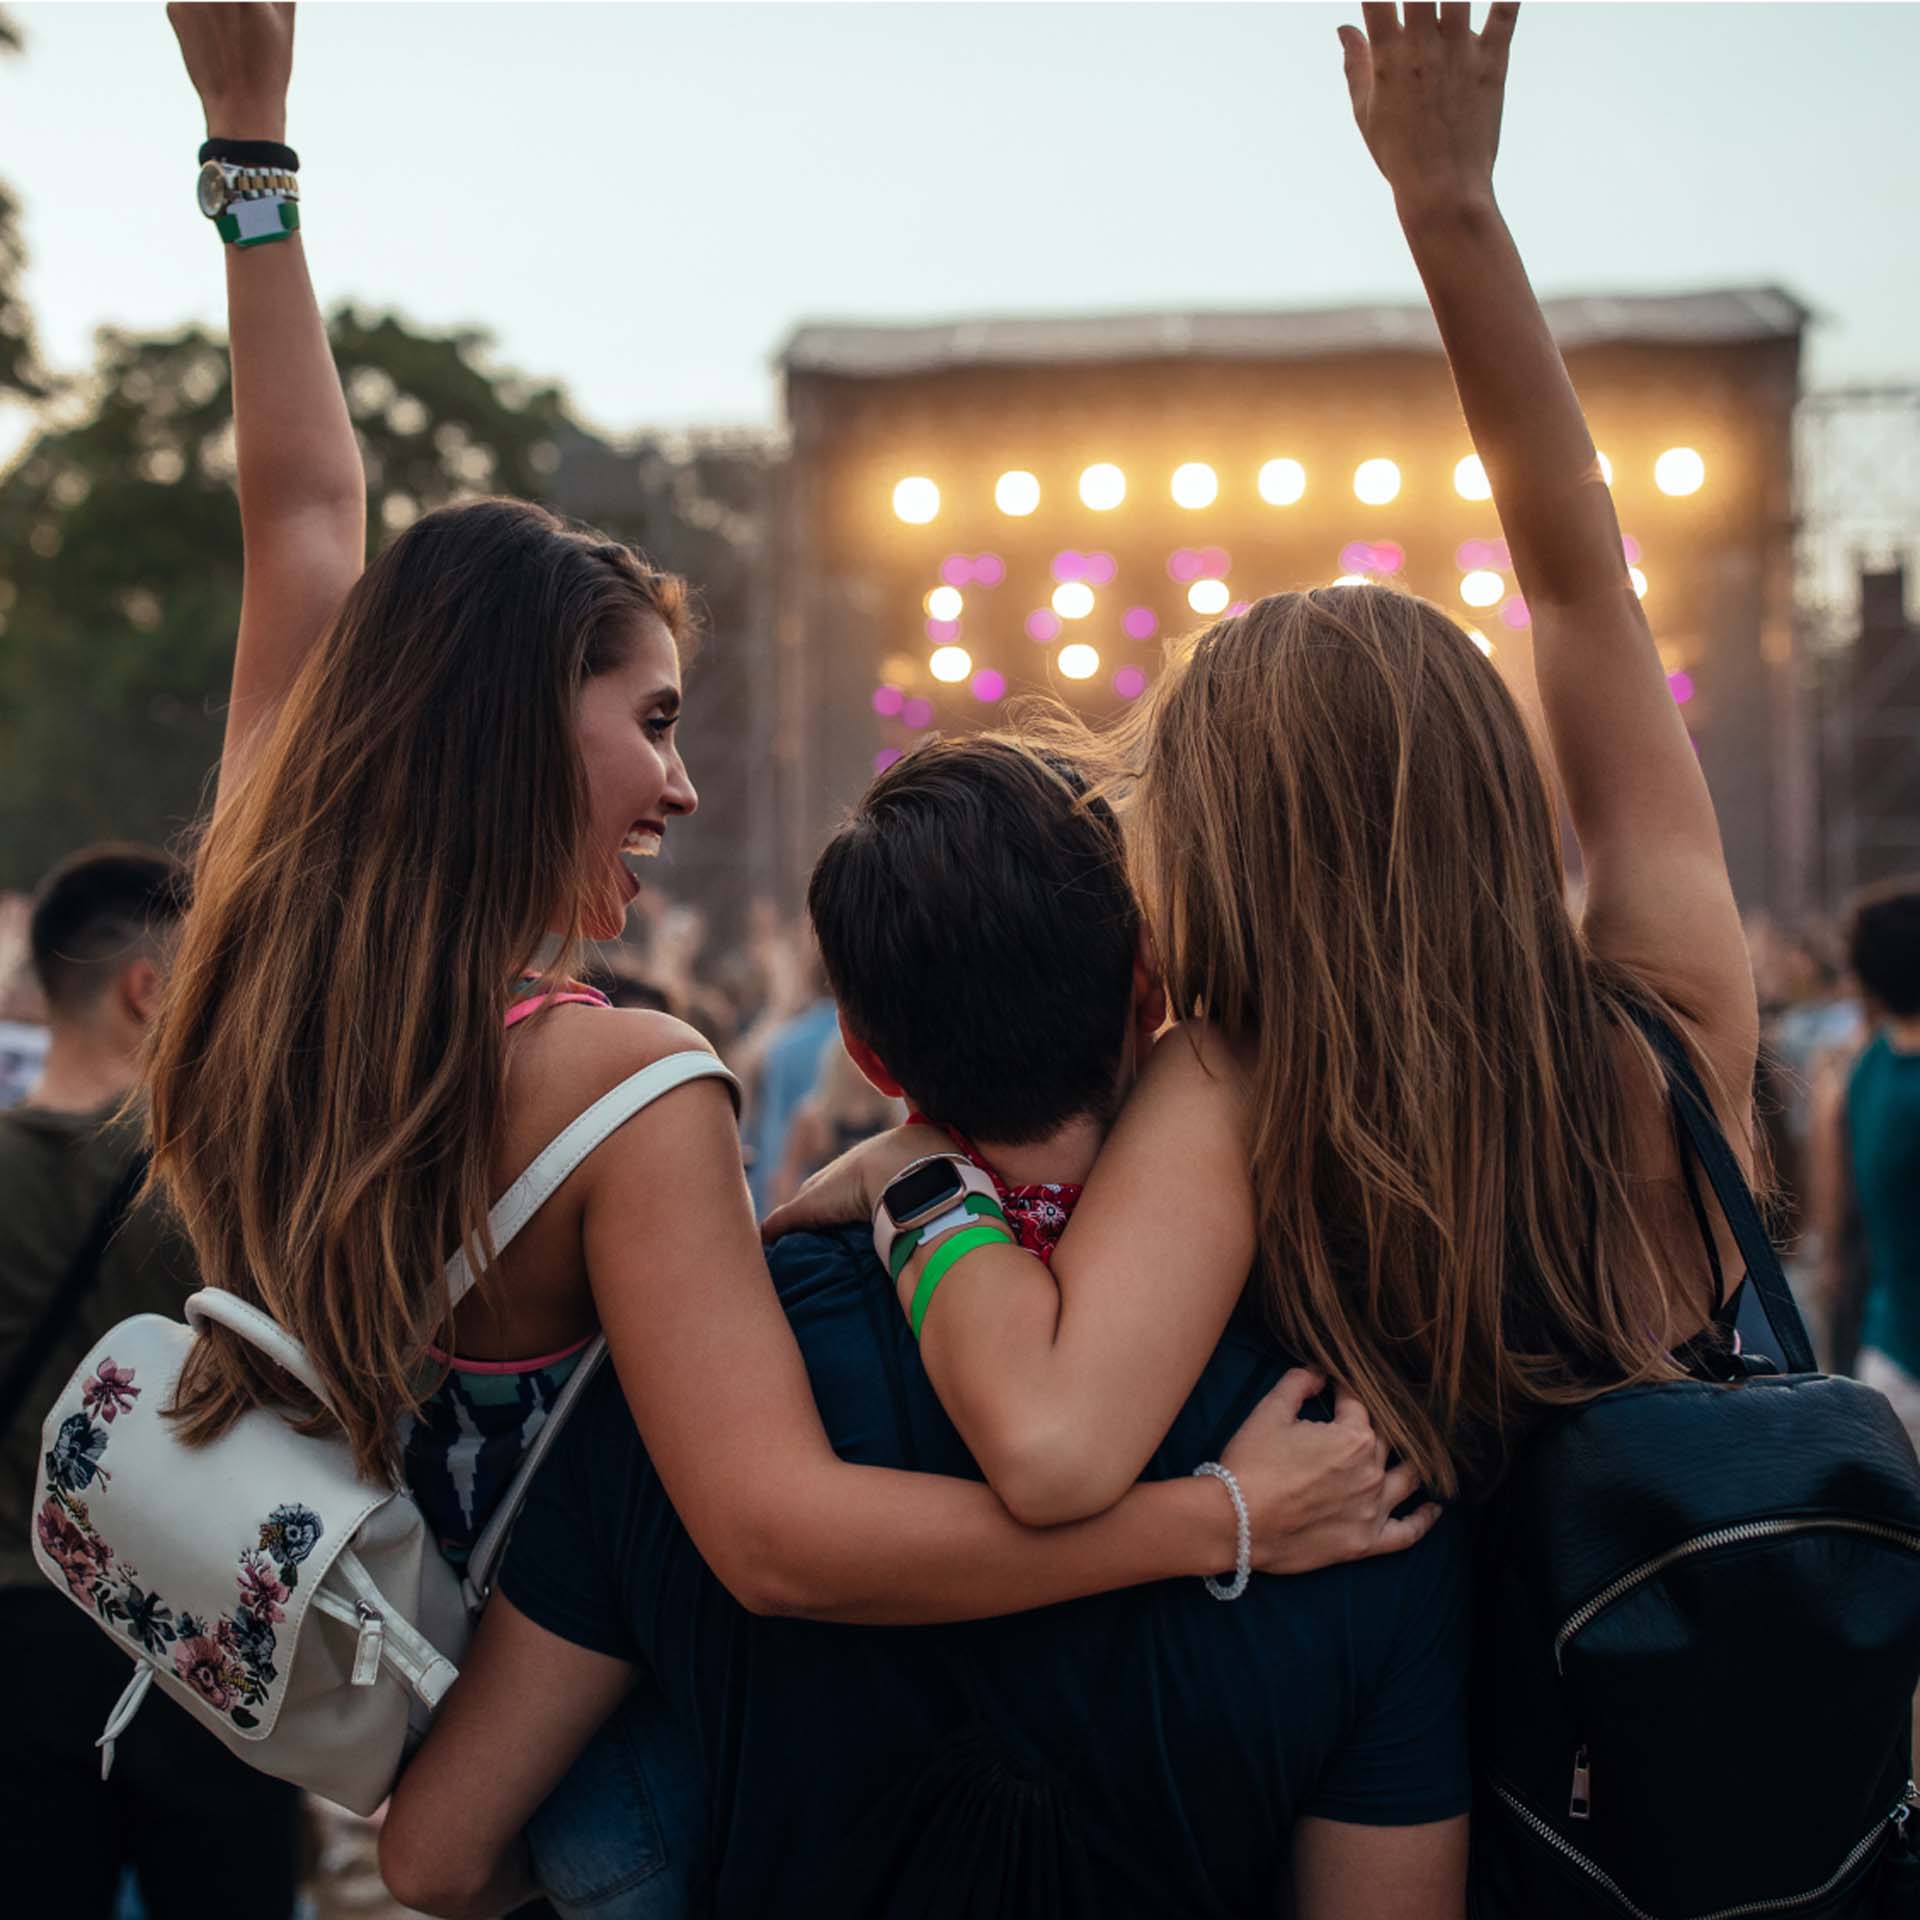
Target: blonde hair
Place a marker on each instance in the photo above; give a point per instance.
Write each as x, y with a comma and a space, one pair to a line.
1350, 861
326, 1077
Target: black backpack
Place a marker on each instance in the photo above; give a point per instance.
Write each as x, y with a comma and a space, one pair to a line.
1698, 1633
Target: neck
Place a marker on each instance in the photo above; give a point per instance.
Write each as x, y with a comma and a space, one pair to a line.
1905, 1033
1064, 1158
84, 1070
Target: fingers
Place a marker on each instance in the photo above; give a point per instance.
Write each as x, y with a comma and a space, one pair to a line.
1383, 22
1398, 1535
1296, 1387
1456, 18
1349, 1411
1400, 1485
1358, 60
1498, 31
1422, 18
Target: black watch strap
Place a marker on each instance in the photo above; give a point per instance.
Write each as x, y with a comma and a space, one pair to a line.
250, 153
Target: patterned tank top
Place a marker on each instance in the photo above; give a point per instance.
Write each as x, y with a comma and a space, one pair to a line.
461, 1449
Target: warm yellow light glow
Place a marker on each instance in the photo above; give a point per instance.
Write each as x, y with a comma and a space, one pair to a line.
1016, 493
1481, 588
1282, 482
1352, 580
1480, 640
1073, 599
1470, 480
944, 603
1375, 482
1195, 485
950, 664
1103, 487
1208, 596
1606, 468
1079, 661
1679, 471
916, 500
1639, 580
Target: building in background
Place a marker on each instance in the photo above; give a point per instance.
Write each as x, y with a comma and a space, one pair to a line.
985, 508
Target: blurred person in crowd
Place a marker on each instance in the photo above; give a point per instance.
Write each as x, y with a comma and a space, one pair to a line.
1140, 1752
23, 1013
843, 1109
203, 1834
780, 1058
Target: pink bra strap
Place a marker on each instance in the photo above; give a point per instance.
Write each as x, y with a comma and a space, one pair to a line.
586, 996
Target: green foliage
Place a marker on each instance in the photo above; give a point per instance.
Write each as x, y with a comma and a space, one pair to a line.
21, 372
120, 558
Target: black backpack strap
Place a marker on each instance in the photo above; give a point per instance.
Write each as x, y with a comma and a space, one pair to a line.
1700, 1130
73, 1289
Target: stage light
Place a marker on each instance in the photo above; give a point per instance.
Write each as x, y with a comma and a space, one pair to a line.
887, 702
957, 569
1043, 625
1606, 468
1139, 623
1185, 564
1068, 564
917, 713
1352, 580
1631, 548
1016, 494
950, 665
885, 758
944, 603
1129, 683
1373, 557
989, 685
1098, 569
988, 569
1195, 485
1639, 580
1470, 480
1208, 596
1680, 684
1215, 562
1282, 482
1102, 487
1514, 612
916, 500
1073, 599
941, 631
1679, 471
1375, 482
1482, 589
1079, 661
1480, 640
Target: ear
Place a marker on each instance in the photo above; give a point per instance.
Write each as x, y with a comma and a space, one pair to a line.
873, 1070
1149, 992
140, 988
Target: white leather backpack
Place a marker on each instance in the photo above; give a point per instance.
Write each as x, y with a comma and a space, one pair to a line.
301, 1612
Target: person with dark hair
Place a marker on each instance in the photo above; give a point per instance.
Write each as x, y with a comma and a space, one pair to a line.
1142, 1752
202, 1833
1877, 1154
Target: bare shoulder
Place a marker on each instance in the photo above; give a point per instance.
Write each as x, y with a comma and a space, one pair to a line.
1194, 1058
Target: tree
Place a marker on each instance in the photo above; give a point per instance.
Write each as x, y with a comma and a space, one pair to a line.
21, 371
120, 558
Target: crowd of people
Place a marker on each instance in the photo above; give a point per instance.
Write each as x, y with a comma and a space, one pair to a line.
1085, 1311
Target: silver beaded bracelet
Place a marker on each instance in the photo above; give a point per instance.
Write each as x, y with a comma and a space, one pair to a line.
1243, 1546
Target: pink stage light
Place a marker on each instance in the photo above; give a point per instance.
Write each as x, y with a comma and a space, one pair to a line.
1069, 564
956, 570
1184, 565
1043, 624
887, 701
1682, 686
1237, 607
1631, 548
1139, 623
1357, 557
1215, 563
1513, 610
989, 684
988, 569
1097, 569
1472, 556
1388, 557
918, 713
885, 758
941, 632
1129, 683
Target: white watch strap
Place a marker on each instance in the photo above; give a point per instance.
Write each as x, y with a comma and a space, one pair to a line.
972, 1179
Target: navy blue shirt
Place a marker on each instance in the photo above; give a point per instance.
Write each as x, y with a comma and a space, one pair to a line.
1143, 1752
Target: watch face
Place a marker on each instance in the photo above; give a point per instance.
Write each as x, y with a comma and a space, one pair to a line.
212, 190
923, 1192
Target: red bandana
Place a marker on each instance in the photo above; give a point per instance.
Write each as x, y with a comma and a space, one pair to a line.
1038, 1214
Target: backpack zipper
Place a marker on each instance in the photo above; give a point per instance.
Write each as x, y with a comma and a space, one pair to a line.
1896, 1819
1706, 1543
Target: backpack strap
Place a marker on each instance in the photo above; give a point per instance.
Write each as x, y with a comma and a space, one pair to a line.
259, 1329
554, 1162
1699, 1131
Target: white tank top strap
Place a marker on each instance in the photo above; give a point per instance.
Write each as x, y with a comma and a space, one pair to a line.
559, 1157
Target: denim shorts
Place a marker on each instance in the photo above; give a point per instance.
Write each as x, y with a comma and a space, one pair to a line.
623, 1836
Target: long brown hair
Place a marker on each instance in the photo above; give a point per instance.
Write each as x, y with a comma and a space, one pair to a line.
1350, 860
326, 1075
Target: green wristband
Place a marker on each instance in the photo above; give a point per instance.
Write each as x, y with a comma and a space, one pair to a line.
954, 1247
984, 1205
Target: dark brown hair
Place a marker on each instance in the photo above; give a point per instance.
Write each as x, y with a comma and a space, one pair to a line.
1883, 944
98, 909
326, 1079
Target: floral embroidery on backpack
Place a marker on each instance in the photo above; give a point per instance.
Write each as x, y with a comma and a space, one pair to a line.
228, 1662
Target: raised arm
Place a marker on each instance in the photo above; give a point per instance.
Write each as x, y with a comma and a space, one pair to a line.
1427, 94
303, 500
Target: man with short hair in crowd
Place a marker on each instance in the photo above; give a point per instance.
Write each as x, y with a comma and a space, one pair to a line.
204, 1835
1140, 1752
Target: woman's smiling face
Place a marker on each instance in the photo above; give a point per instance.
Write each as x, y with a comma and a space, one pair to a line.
625, 720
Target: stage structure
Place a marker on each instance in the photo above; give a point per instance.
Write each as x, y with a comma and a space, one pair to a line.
984, 508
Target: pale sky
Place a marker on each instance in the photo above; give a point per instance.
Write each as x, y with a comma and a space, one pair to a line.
642, 200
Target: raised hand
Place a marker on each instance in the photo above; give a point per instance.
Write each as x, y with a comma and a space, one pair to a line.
1427, 94
240, 59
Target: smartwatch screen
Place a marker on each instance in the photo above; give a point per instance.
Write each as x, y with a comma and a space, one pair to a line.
913, 1193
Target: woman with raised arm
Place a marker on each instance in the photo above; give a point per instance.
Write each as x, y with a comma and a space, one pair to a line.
433, 771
